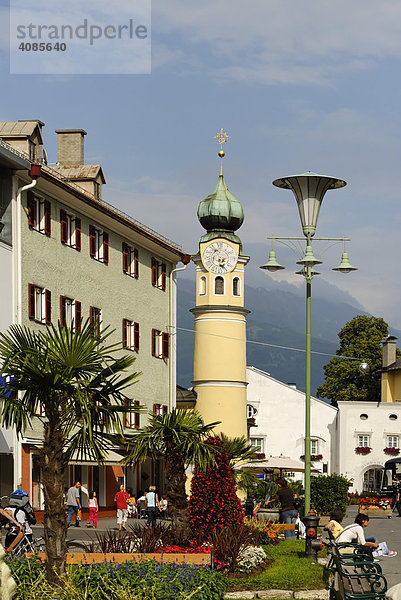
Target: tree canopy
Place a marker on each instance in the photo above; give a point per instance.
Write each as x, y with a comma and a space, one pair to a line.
360, 339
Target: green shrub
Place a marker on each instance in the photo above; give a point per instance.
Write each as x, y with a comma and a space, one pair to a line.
145, 580
329, 492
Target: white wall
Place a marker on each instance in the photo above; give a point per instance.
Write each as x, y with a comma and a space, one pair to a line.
280, 419
377, 426
6, 436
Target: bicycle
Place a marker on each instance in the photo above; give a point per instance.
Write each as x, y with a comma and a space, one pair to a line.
38, 545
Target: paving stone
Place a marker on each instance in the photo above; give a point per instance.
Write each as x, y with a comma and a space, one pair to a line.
241, 595
313, 595
275, 594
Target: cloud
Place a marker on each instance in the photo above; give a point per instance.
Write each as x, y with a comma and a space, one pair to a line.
283, 41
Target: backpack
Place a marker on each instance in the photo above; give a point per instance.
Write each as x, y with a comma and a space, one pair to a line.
22, 503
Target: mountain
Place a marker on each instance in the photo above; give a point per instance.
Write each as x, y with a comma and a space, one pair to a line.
277, 318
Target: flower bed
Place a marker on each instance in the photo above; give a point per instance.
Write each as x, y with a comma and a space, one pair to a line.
148, 580
262, 531
250, 558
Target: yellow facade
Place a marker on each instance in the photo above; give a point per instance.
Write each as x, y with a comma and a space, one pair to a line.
391, 386
220, 340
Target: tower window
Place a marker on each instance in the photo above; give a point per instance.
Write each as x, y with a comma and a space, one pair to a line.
236, 286
219, 286
202, 286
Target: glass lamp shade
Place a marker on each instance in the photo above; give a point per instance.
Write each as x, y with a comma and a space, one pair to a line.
309, 190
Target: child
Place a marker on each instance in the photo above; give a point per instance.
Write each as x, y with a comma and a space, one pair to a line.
93, 510
336, 516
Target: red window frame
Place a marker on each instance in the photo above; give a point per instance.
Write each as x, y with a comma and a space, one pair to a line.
130, 260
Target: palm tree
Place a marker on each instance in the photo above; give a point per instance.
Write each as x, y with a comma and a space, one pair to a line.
179, 437
73, 379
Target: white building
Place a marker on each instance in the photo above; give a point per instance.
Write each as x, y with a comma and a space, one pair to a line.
279, 413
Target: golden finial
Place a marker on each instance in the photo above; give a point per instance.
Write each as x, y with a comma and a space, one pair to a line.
221, 138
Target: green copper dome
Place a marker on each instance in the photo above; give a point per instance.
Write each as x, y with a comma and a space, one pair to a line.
220, 213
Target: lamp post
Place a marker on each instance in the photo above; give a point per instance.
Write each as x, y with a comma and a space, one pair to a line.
309, 190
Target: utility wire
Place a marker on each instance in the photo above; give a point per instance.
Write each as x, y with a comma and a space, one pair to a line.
226, 337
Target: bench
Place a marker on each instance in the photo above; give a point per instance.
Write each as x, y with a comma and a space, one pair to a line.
281, 527
354, 575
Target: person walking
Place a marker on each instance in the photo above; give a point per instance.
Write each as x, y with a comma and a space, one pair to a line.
289, 513
152, 502
73, 503
93, 510
122, 507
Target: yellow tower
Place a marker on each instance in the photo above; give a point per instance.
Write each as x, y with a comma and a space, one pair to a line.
220, 316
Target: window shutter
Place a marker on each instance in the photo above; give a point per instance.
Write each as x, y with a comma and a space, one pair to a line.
155, 409
165, 345
92, 240
125, 257
153, 342
31, 209
63, 222
124, 333
105, 247
136, 264
31, 300
91, 314
48, 307
136, 336
62, 311
154, 272
163, 276
47, 217
136, 415
164, 409
77, 233
78, 314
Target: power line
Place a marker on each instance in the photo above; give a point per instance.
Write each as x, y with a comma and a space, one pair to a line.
226, 337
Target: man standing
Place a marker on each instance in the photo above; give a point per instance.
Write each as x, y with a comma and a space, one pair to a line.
73, 503
122, 508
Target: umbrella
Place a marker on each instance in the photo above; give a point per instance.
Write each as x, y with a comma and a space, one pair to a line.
283, 463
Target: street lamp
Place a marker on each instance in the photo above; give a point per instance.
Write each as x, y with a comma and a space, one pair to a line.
309, 190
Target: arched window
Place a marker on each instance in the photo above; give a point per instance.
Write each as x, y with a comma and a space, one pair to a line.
202, 286
219, 285
236, 286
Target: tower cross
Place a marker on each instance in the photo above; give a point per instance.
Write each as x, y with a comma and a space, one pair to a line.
221, 138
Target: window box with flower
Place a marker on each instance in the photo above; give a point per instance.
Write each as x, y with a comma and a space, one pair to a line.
392, 450
363, 450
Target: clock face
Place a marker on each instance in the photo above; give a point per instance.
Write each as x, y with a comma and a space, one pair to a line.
219, 257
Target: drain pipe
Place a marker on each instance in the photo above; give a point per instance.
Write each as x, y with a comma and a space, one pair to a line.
186, 259
17, 312
35, 174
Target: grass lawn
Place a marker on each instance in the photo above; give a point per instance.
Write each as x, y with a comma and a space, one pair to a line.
290, 570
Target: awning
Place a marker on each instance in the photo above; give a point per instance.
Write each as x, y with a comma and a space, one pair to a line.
112, 458
282, 463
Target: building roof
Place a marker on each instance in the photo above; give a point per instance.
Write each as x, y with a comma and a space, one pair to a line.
19, 128
12, 158
395, 366
80, 172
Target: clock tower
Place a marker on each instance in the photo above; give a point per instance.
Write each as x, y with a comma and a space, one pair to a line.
220, 316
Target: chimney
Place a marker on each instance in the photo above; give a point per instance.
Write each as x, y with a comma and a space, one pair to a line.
389, 350
70, 147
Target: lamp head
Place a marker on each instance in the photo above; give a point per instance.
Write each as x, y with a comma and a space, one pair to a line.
309, 189
364, 368
272, 265
345, 266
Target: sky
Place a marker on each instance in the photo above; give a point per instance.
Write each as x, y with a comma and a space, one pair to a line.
299, 85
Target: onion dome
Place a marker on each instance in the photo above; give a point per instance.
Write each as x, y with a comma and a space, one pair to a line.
221, 214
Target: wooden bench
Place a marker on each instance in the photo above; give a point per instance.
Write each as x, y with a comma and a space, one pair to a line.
77, 558
354, 576
281, 527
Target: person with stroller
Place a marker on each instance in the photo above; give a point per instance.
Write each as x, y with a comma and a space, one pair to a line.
21, 510
15, 531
